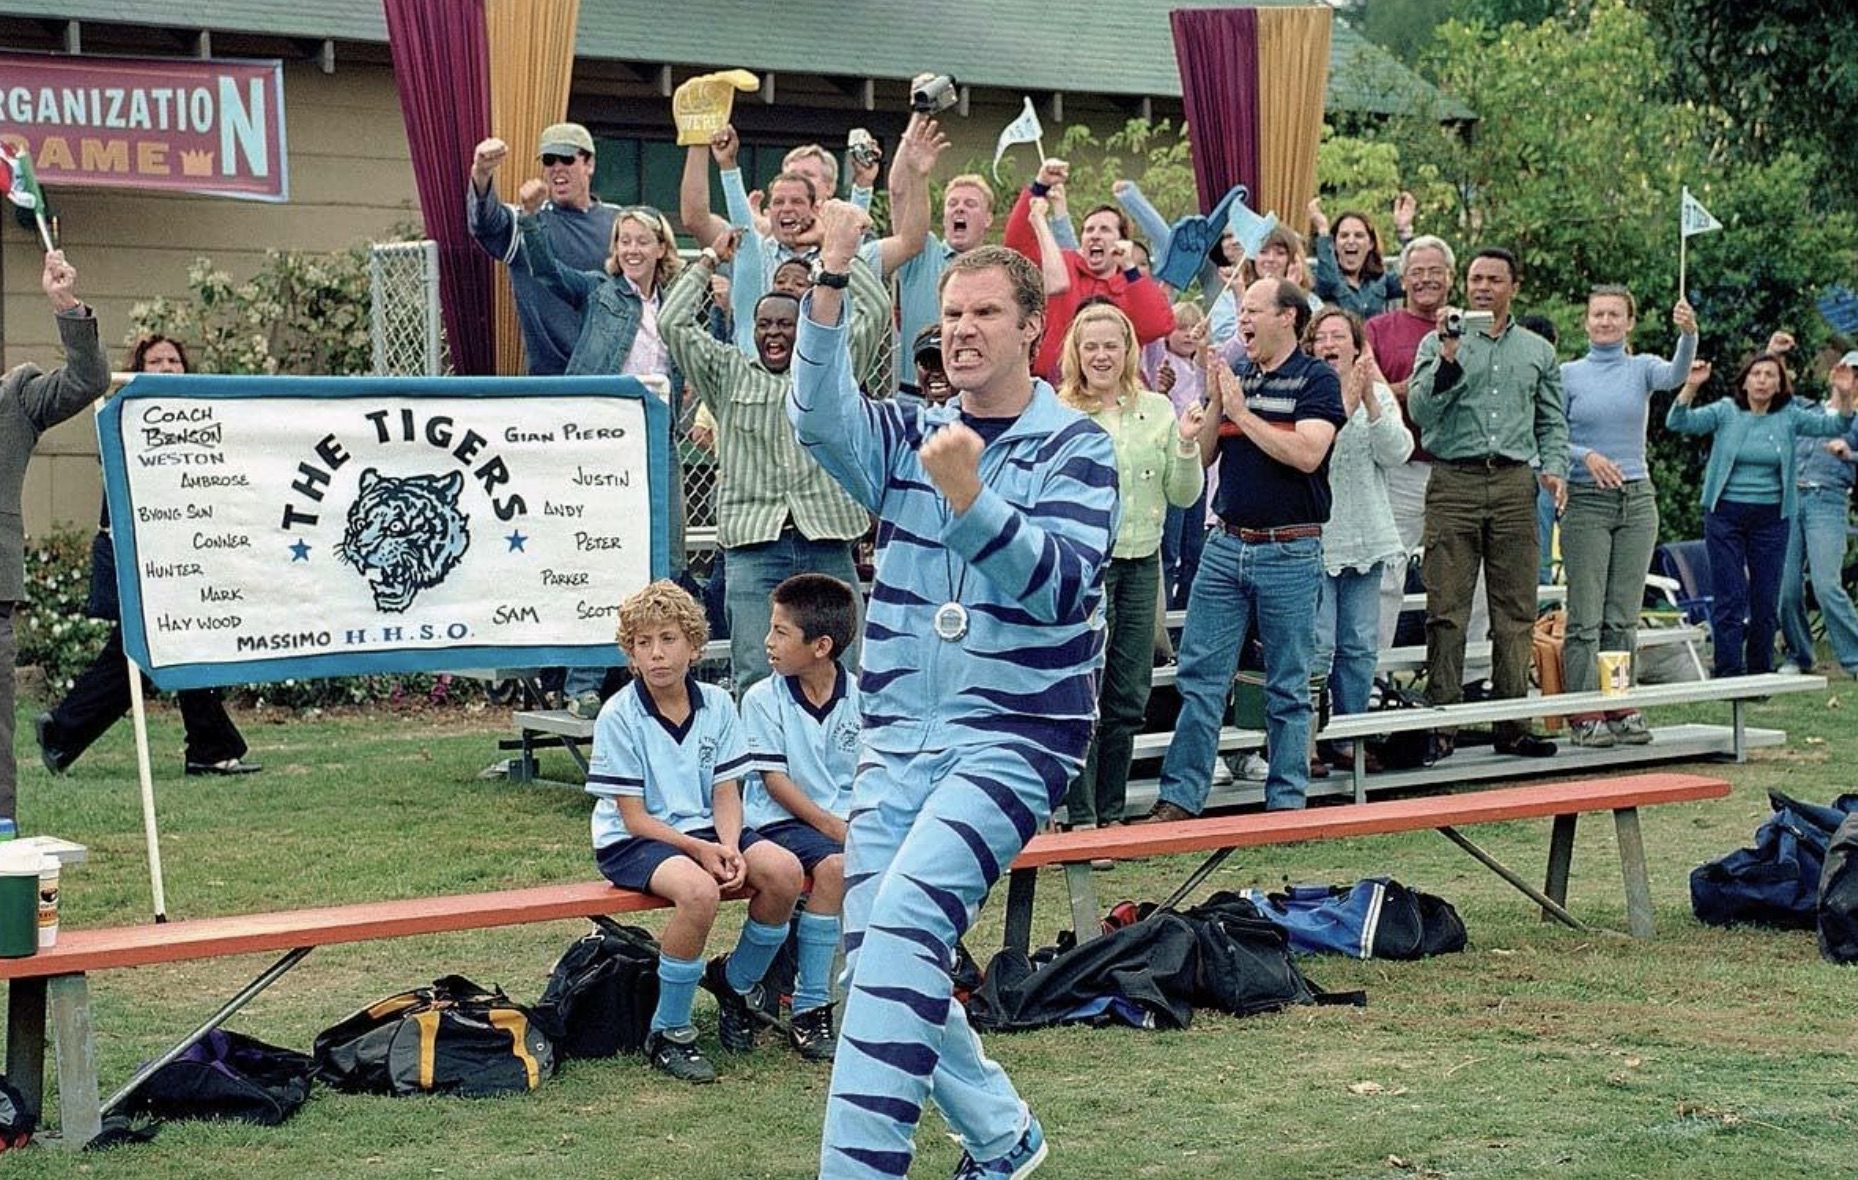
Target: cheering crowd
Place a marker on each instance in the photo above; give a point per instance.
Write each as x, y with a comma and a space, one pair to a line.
1054, 447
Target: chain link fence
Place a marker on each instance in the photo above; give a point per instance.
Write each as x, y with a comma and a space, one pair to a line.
403, 317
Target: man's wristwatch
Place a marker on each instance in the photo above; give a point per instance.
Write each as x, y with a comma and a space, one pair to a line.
838, 280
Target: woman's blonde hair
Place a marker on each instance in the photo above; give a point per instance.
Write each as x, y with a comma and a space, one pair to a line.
663, 601
651, 219
1071, 385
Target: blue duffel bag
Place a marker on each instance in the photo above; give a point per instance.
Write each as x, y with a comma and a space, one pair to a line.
1775, 883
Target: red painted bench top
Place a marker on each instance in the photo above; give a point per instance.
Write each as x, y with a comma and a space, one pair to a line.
81, 950
1369, 819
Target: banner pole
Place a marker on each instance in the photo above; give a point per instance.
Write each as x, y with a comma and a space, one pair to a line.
138, 712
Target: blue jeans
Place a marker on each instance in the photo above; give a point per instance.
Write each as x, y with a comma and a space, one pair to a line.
1348, 643
1273, 587
1816, 549
1183, 537
754, 572
1747, 544
1545, 535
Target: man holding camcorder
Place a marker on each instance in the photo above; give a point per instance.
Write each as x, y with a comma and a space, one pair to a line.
1486, 395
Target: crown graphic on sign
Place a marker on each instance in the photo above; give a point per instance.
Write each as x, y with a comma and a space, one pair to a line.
196, 163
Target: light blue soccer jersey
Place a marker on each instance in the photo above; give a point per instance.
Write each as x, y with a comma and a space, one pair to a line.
673, 768
816, 748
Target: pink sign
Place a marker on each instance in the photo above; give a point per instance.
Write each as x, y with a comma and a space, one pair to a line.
180, 124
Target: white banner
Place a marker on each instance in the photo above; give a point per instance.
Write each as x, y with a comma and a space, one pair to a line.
290, 527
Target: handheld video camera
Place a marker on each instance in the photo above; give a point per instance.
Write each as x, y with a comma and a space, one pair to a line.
1458, 323
861, 146
930, 93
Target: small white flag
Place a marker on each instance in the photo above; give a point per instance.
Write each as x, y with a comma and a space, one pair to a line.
1696, 219
1024, 129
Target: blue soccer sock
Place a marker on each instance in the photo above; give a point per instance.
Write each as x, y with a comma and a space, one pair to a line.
819, 941
677, 990
754, 950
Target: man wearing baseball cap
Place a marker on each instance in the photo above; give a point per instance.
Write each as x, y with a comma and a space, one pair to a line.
578, 224
1823, 470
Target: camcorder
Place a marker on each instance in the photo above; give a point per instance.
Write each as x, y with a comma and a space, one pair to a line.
1457, 323
930, 93
861, 146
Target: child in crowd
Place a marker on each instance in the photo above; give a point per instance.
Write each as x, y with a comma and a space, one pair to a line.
802, 727
667, 754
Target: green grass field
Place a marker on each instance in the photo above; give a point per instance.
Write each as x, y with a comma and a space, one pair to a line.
1541, 1051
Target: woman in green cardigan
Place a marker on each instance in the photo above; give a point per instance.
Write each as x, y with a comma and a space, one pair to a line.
1748, 498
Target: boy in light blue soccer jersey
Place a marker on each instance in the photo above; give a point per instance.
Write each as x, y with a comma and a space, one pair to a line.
668, 753
803, 744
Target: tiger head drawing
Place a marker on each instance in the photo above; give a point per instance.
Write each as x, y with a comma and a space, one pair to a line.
405, 535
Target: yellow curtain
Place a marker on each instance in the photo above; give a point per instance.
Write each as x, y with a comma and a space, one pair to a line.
1293, 79
531, 66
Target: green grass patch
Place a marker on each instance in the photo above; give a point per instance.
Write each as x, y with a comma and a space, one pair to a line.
1541, 1051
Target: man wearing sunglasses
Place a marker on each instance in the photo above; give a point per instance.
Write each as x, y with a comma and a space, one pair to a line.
578, 224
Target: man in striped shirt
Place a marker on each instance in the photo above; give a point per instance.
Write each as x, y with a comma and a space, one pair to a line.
978, 687
778, 513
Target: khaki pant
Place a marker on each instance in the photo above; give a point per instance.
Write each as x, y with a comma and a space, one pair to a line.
1478, 519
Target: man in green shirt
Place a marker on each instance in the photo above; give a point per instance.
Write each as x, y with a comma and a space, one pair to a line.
1487, 400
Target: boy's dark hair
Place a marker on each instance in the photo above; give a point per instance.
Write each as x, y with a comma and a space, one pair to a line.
822, 606
1542, 326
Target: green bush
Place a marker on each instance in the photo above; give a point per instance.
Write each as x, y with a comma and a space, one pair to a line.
50, 624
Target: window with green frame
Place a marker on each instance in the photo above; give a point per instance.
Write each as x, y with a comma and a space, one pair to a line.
648, 172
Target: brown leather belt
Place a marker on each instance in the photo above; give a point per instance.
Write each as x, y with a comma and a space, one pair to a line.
1289, 532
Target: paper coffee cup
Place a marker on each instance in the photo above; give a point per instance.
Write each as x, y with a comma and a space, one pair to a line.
48, 902
1615, 673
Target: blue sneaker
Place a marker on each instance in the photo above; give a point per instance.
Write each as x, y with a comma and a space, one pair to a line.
1016, 1164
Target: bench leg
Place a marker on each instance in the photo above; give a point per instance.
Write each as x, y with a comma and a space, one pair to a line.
1554, 908
1085, 924
1021, 885
25, 1040
1632, 864
80, 1115
1738, 728
1560, 859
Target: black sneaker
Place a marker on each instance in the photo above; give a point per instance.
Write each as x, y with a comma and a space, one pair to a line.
54, 758
737, 1013
811, 1033
674, 1051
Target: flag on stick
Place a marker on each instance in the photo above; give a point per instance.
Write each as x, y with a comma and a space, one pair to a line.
22, 187
1693, 219
1023, 129
1697, 219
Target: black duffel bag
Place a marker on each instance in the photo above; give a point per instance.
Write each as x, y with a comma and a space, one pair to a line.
451, 1038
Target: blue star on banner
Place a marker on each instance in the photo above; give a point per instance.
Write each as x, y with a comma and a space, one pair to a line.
300, 551
516, 540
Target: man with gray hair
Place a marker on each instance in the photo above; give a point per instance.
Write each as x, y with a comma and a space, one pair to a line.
1427, 269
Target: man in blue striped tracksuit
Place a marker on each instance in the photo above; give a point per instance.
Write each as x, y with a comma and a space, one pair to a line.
982, 648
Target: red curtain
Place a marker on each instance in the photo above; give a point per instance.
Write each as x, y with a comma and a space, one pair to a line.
442, 71
1217, 50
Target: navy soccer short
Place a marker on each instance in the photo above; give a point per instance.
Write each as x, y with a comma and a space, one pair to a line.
808, 844
630, 863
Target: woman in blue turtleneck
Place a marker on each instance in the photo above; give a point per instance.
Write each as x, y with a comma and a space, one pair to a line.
1610, 524
1748, 499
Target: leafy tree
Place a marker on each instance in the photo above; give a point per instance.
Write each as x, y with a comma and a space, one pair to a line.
1779, 76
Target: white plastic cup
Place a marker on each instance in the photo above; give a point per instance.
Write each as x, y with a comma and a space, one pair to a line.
48, 902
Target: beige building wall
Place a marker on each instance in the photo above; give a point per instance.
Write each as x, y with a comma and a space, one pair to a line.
350, 179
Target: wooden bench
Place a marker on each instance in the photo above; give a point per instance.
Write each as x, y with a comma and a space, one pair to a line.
57, 978
1563, 802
